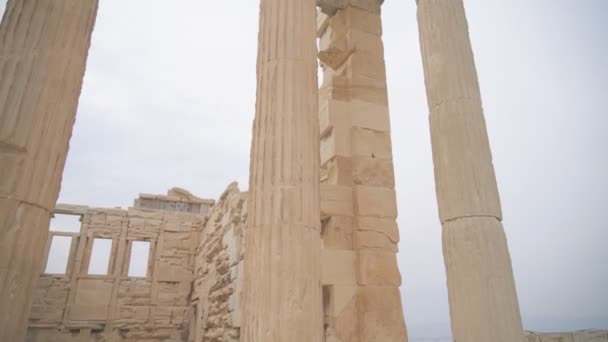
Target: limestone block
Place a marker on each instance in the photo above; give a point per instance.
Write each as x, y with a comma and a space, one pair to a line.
335, 142
354, 114
161, 316
374, 240
382, 314
366, 42
464, 174
387, 227
379, 298
481, 287
371, 144
377, 172
337, 232
133, 314
91, 300
332, 6
173, 293
345, 326
134, 292
336, 200
367, 69
337, 171
378, 268
383, 326
375, 202
338, 267
174, 270
340, 297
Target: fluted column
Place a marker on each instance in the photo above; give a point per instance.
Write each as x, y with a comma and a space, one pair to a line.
43, 52
282, 291
481, 287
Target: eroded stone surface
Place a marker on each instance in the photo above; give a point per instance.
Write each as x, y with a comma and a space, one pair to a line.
282, 285
43, 51
116, 306
361, 278
481, 287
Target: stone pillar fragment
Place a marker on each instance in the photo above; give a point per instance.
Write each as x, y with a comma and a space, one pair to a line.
43, 51
361, 279
282, 290
481, 287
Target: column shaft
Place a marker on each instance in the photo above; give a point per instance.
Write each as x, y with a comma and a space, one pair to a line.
43, 52
481, 287
282, 291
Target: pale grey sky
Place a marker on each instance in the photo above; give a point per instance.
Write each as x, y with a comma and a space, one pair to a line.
168, 100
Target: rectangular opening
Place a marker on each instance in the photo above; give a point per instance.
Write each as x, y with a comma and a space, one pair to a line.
99, 263
138, 263
59, 254
65, 223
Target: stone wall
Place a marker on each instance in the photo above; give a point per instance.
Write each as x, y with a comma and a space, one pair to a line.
218, 270
116, 307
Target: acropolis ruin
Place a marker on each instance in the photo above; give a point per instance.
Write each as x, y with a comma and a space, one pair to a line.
309, 252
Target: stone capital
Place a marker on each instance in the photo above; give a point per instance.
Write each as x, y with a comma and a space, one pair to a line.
330, 7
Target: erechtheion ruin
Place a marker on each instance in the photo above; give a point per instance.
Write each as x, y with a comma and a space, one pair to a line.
309, 253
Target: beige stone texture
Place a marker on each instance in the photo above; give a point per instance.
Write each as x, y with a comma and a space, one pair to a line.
481, 287
339, 267
282, 285
358, 202
480, 281
218, 270
43, 51
464, 173
336, 200
375, 202
117, 307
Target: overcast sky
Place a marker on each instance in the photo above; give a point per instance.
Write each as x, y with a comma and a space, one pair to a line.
168, 100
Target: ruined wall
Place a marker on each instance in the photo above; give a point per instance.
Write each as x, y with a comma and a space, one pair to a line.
218, 270
176, 200
578, 336
78, 306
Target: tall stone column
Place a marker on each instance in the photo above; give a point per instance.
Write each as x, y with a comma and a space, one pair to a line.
282, 290
481, 287
361, 279
43, 52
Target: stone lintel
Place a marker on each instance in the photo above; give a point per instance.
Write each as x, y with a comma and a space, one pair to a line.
330, 7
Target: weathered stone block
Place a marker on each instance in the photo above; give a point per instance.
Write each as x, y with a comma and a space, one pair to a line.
371, 144
374, 240
387, 227
377, 172
338, 232
336, 200
338, 267
375, 202
378, 268
337, 171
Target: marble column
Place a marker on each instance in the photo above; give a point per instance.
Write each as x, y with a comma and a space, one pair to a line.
282, 290
481, 287
43, 51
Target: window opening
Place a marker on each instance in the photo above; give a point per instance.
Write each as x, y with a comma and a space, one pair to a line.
138, 263
65, 223
59, 254
99, 263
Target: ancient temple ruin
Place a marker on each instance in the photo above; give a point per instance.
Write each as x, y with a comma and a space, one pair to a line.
309, 253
